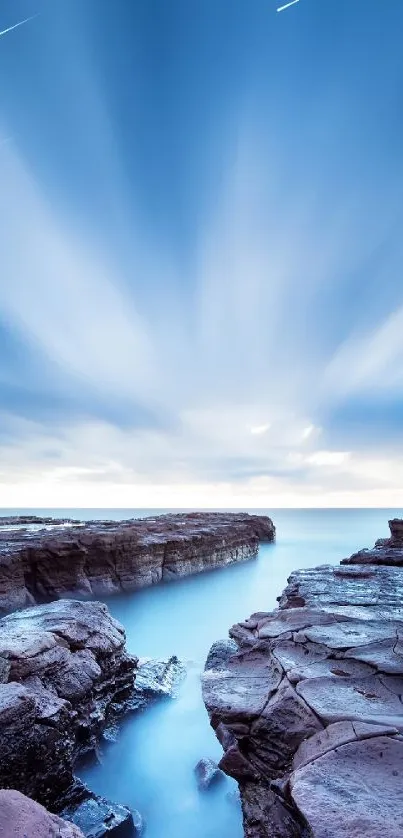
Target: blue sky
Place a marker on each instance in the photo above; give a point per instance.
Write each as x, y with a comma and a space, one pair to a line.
201, 294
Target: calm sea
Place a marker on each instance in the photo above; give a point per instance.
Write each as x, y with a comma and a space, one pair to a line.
151, 765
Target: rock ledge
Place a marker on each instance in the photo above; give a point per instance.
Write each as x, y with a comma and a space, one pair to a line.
100, 558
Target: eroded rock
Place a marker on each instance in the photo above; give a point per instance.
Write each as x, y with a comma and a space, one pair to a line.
66, 676
387, 551
307, 704
100, 558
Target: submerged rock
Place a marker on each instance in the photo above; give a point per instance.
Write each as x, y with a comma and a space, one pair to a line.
100, 558
207, 774
306, 702
155, 679
21, 817
159, 678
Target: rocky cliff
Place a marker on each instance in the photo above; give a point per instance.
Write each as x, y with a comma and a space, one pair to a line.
64, 675
307, 704
101, 558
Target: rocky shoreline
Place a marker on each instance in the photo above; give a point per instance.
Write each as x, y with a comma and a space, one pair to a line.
306, 702
65, 676
101, 558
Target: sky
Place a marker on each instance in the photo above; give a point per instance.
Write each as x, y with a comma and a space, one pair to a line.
201, 292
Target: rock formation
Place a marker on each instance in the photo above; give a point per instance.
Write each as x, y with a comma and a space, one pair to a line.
207, 774
64, 675
386, 551
21, 817
102, 558
23, 521
307, 704
96, 817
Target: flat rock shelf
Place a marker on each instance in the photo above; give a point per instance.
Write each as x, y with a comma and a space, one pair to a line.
307, 702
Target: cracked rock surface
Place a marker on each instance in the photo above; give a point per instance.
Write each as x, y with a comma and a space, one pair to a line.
306, 702
100, 558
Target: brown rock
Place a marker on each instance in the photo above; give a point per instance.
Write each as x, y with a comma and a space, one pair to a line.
353, 791
21, 817
387, 551
104, 557
307, 705
65, 675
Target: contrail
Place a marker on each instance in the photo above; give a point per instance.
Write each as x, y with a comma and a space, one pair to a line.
21, 23
287, 6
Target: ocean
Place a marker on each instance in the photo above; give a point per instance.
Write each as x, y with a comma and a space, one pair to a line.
151, 766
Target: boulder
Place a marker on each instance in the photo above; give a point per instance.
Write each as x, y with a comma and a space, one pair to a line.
21, 817
156, 679
207, 774
96, 817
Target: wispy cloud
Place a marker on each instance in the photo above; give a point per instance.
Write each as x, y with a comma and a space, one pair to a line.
61, 295
287, 5
239, 401
16, 25
372, 361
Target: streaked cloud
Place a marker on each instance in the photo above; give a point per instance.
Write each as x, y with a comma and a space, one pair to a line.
287, 5
16, 25
199, 323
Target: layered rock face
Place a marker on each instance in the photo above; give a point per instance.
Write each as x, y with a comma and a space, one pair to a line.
102, 558
64, 675
307, 704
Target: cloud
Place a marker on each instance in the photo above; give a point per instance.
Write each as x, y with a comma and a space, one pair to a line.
370, 362
328, 458
260, 429
238, 367
16, 25
62, 298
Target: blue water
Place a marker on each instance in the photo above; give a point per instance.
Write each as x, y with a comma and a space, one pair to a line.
151, 766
